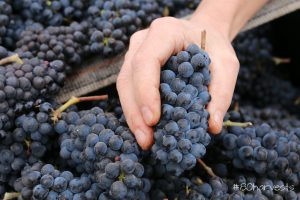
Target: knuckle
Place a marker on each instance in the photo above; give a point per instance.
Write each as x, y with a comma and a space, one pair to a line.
156, 23
136, 36
163, 22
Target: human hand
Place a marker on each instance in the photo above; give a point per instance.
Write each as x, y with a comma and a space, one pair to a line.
149, 49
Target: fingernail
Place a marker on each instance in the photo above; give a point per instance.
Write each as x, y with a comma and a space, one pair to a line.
147, 115
141, 137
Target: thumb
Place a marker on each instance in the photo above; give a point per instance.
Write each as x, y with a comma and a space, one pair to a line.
223, 78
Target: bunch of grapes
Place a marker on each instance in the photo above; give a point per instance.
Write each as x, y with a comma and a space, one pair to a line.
189, 186
115, 21
97, 143
14, 29
254, 53
28, 143
181, 135
38, 128
5, 15
257, 81
263, 150
66, 43
24, 82
272, 90
276, 117
178, 8
43, 181
13, 156
51, 13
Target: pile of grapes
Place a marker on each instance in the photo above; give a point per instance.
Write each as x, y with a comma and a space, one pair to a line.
74, 30
87, 152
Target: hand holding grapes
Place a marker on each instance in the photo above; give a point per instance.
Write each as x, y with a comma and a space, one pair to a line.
149, 49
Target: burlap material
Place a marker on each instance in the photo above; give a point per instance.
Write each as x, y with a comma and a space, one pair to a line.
98, 73
274, 9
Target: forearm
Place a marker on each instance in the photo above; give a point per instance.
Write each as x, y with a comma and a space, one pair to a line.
230, 15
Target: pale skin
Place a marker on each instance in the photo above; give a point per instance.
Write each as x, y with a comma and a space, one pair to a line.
149, 49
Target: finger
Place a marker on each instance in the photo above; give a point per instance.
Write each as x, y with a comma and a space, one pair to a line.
223, 78
142, 132
157, 47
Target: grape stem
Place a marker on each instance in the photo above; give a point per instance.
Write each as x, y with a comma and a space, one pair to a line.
197, 181
27, 143
187, 190
11, 195
239, 124
207, 168
49, 3
105, 41
122, 176
203, 39
13, 58
236, 107
166, 11
279, 61
56, 114
297, 101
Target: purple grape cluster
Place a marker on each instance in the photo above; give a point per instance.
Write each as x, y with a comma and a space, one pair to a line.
38, 128
51, 13
115, 21
43, 181
181, 134
178, 8
21, 85
276, 117
189, 186
13, 156
96, 143
5, 15
28, 143
263, 150
66, 43
258, 81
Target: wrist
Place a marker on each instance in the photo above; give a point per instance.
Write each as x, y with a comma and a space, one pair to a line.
206, 21
212, 15
227, 16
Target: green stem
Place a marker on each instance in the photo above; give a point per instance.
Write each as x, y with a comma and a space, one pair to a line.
297, 101
166, 11
72, 101
240, 124
197, 180
279, 61
105, 41
11, 195
27, 143
49, 3
187, 190
122, 176
13, 58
